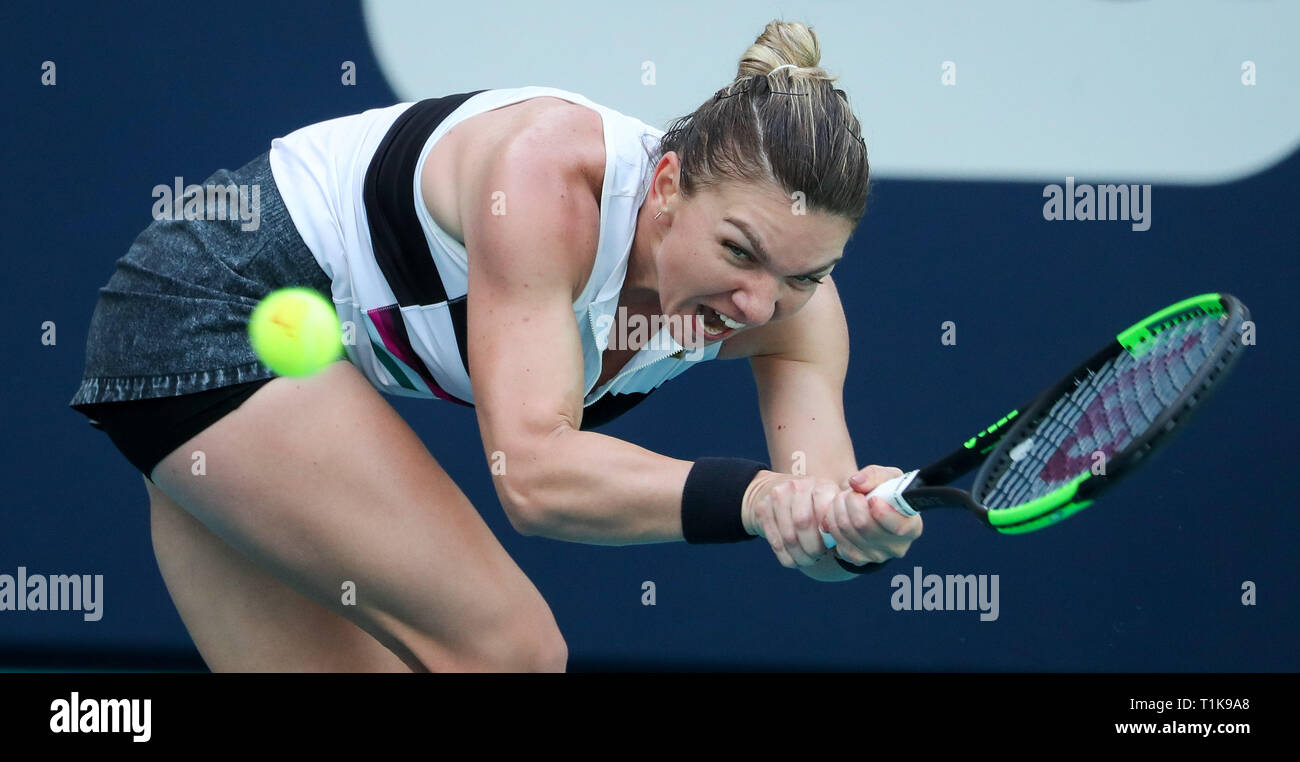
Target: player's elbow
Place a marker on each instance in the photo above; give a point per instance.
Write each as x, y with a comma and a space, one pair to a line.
523, 509
528, 486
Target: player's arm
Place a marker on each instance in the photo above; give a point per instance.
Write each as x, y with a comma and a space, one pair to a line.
799, 367
525, 354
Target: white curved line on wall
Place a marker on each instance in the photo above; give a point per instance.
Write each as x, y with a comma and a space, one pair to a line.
1108, 90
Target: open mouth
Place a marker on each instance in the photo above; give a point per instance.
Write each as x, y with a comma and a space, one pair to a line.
715, 324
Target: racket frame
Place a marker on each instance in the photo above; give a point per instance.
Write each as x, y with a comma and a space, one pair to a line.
990, 449
1084, 489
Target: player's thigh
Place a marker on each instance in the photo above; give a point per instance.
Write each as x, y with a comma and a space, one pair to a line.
321, 483
243, 619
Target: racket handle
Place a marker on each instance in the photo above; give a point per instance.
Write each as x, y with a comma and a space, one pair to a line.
891, 492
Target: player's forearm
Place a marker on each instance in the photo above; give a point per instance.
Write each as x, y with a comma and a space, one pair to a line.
582, 486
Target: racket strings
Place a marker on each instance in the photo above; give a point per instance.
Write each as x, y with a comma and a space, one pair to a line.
1104, 413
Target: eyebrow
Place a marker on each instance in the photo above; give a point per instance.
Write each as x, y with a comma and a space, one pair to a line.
757, 245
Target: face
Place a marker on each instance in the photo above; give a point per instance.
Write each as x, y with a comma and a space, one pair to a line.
739, 251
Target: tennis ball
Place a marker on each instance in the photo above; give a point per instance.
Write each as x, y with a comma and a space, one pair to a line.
295, 332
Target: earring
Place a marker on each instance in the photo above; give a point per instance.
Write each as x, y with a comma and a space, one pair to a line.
657, 216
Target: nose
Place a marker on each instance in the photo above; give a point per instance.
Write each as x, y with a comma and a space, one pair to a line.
756, 301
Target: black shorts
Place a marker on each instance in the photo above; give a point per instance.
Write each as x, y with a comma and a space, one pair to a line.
146, 431
167, 353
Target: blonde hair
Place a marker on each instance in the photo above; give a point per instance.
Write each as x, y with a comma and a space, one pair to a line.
782, 121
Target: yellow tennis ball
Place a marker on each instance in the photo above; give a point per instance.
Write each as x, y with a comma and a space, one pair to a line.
295, 332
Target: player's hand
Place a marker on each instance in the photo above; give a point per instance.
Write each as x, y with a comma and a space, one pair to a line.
868, 531
785, 509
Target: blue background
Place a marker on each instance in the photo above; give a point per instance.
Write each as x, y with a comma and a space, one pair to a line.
1148, 580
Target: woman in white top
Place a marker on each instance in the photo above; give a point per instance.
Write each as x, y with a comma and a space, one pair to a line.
321, 534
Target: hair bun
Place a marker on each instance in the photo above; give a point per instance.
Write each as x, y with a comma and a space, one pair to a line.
783, 44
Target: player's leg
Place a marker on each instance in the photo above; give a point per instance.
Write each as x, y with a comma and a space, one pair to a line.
320, 483
242, 618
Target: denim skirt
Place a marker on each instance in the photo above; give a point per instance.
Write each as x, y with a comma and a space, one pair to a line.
167, 352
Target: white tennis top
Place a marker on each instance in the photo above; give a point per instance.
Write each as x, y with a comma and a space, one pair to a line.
352, 187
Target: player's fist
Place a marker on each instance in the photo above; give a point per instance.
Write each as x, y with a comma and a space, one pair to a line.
868, 531
786, 510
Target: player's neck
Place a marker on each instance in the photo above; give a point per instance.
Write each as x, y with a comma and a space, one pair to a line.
641, 283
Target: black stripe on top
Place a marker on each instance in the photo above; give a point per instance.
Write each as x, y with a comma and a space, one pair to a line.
609, 407
458, 311
400, 248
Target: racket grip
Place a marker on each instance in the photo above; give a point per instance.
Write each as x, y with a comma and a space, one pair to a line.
890, 491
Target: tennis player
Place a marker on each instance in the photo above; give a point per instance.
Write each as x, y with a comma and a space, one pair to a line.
495, 249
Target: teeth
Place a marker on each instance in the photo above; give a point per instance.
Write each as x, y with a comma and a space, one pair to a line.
726, 322
729, 322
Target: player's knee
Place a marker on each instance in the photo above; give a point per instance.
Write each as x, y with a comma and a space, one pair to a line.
521, 643
528, 642
533, 644
549, 652
554, 653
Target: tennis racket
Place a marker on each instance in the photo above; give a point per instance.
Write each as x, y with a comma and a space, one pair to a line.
1053, 456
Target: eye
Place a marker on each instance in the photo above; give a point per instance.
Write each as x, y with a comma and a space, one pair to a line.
738, 252
806, 281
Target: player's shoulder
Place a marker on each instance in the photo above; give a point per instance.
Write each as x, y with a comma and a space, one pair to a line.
545, 153
564, 134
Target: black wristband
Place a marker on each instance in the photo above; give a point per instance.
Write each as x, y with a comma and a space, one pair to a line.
711, 499
855, 569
